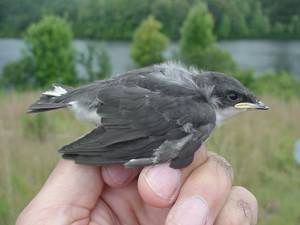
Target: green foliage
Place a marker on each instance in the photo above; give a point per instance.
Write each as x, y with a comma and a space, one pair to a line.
281, 84
96, 63
233, 12
224, 27
36, 126
197, 30
197, 42
295, 25
281, 11
259, 24
245, 76
18, 75
48, 57
110, 19
117, 19
148, 43
239, 26
4, 208
49, 43
278, 29
211, 58
104, 65
171, 14
16, 15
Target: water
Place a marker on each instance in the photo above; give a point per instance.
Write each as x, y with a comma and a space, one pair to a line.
260, 55
266, 55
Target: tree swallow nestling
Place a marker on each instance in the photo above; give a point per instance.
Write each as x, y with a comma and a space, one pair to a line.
156, 114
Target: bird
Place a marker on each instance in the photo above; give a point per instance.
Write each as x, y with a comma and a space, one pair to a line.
161, 113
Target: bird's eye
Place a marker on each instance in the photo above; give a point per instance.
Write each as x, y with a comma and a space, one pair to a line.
233, 96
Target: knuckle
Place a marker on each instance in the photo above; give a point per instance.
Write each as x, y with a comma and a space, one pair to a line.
245, 194
223, 163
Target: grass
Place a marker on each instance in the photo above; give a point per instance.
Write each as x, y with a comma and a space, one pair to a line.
27, 155
259, 145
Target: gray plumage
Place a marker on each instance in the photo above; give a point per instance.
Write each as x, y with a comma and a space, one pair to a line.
151, 115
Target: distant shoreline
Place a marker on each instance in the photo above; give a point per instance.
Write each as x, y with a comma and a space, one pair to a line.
261, 55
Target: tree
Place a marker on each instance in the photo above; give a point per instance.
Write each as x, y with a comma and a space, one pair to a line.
18, 74
259, 23
148, 43
211, 58
239, 26
49, 43
96, 63
197, 45
224, 27
278, 29
170, 13
197, 30
104, 65
295, 25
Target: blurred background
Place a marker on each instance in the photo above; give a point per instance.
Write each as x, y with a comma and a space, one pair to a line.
77, 41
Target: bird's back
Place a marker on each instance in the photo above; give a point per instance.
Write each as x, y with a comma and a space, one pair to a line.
145, 116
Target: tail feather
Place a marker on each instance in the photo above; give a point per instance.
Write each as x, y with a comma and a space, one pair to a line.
48, 100
41, 107
93, 160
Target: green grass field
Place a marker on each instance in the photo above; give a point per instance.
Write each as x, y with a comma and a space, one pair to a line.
259, 145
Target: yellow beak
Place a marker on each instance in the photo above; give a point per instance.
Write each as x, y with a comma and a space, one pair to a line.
248, 105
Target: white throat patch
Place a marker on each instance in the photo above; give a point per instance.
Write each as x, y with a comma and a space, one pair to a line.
223, 114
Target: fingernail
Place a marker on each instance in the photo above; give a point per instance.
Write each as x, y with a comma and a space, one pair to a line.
193, 211
163, 180
118, 174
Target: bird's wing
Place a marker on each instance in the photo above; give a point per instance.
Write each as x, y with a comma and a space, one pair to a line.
135, 121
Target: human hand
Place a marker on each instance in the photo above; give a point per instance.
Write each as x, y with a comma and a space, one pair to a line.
199, 194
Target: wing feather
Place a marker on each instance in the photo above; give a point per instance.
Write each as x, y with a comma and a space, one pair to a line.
135, 122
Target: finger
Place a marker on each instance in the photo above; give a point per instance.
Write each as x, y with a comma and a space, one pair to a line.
203, 194
240, 208
118, 175
159, 185
71, 184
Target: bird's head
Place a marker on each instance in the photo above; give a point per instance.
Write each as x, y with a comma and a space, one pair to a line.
229, 96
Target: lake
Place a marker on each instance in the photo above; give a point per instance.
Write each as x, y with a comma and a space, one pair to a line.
260, 55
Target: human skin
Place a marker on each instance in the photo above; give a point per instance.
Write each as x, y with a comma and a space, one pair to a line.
199, 194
